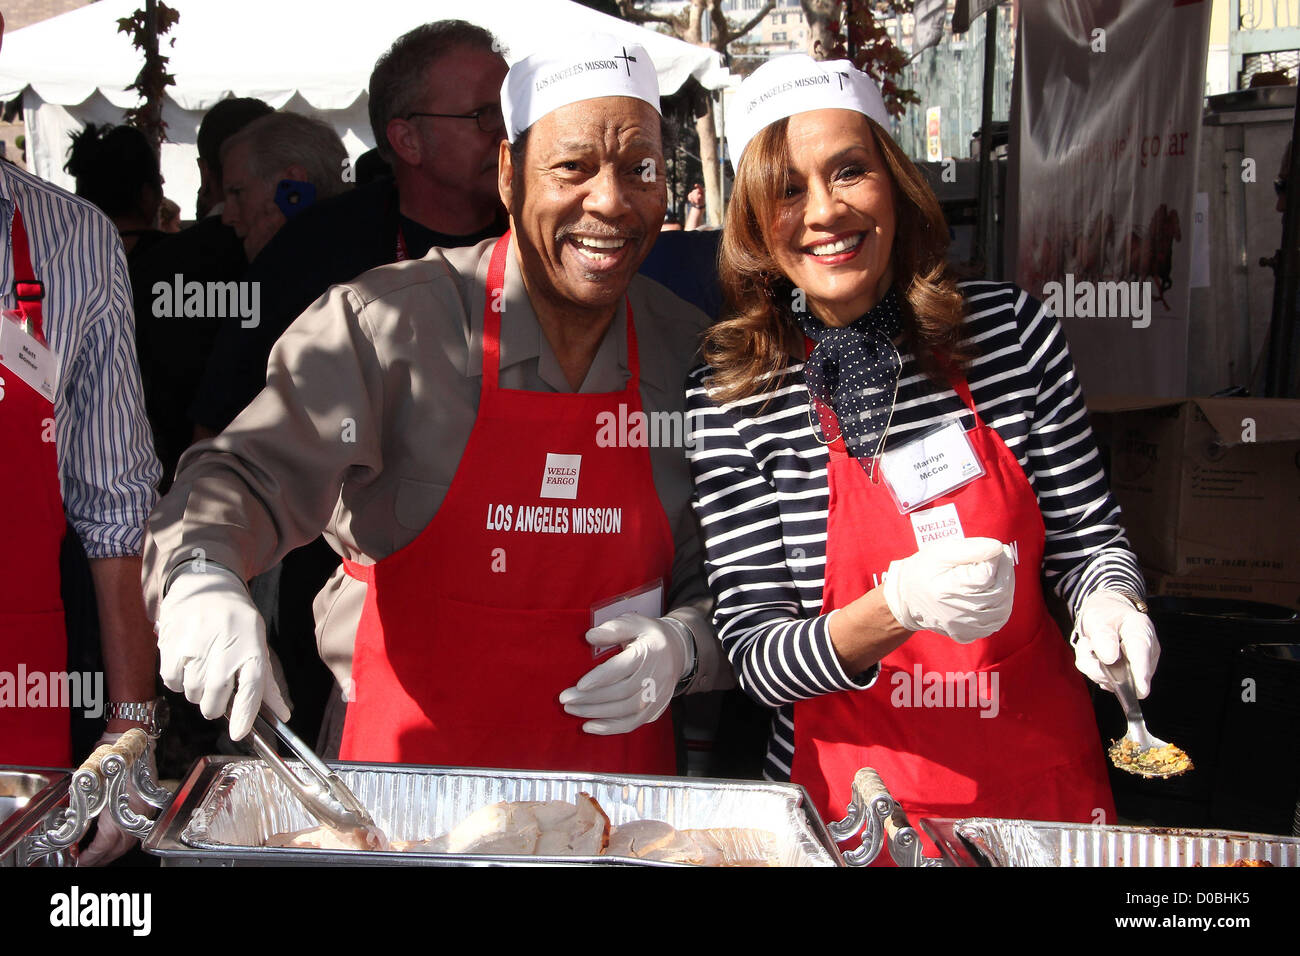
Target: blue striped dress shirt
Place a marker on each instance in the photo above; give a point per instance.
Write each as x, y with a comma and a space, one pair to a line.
108, 472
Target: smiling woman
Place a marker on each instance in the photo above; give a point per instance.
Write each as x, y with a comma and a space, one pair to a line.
887, 465
862, 195
832, 231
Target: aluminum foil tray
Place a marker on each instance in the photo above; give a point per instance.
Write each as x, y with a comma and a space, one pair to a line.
986, 842
228, 806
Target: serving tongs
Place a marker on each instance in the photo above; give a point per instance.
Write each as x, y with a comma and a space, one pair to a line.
1121, 675
323, 793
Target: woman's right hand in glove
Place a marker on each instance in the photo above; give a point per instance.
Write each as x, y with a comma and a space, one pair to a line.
960, 587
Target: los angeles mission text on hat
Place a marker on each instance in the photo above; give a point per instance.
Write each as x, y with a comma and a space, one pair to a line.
574, 70
817, 80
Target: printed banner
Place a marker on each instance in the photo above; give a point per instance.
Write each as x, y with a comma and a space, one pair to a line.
1105, 141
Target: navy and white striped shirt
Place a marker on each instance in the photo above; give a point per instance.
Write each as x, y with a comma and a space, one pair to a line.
108, 472
762, 497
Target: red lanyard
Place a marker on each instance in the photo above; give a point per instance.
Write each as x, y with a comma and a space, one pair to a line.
28, 290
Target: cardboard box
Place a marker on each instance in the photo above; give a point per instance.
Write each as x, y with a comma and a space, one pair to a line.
1282, 593
1209, 487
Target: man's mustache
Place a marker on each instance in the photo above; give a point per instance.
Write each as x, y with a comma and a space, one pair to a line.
599, 230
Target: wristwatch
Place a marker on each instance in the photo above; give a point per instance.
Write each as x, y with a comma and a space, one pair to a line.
684, 629
153, 714
1133, 598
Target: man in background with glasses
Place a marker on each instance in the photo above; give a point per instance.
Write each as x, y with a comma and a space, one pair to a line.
435, 111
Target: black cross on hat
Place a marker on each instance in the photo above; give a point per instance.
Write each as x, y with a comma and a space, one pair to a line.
627, 60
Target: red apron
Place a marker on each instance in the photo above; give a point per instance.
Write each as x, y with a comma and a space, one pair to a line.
32, 637
470, 632
1037, 755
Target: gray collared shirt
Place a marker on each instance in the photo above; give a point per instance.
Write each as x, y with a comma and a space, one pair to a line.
370, 399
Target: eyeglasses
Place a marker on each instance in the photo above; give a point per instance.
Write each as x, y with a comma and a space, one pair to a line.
489, 118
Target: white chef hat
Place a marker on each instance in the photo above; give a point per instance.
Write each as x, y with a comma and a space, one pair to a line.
602, 65
796, 83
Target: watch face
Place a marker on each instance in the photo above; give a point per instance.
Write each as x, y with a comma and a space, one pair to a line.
162, 713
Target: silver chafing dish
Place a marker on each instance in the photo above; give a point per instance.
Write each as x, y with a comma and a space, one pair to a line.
984, 842
45, 813
227, 807
981, 841
18, 785
28, 797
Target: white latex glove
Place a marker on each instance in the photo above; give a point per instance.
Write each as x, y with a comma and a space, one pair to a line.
1107, 620
960, 587
110, 840
635, 686
212, 644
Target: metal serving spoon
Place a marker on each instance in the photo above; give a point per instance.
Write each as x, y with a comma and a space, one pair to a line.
1122, 677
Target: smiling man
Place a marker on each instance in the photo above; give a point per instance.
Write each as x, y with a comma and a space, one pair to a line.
535, 597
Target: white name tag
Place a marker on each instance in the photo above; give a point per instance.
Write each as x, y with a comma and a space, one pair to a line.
647, 600
27, 358
938, 462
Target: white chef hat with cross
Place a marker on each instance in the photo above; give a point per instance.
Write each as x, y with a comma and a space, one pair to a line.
601, 65
796, 83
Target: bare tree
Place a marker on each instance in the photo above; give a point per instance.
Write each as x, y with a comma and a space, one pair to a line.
824, 18
688, 24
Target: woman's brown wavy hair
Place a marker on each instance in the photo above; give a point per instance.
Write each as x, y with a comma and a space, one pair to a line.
757, 338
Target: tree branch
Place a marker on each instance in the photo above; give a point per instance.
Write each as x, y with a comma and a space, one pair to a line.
635, 14
758, 18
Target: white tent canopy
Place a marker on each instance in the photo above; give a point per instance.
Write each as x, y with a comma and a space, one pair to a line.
311, 57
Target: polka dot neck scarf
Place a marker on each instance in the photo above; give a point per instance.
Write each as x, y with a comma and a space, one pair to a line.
854, 371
